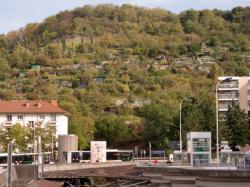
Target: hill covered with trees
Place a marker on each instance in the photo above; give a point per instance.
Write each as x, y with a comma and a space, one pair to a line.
121, 71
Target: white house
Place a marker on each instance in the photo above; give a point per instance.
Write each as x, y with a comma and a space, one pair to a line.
30, 113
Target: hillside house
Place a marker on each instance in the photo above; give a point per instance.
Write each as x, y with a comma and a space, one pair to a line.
161, 66
206, 60
36, 67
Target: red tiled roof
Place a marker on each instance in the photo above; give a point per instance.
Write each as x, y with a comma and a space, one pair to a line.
30, 107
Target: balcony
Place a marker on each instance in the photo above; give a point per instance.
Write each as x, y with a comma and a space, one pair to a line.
229, 86
228, 97
41, 120
52, 123
7, 124
223, 107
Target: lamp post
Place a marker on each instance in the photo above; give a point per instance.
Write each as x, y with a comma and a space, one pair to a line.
34, 144
186, 98
52, 141
217, 116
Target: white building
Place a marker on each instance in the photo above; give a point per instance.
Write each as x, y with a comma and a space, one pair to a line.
30, 113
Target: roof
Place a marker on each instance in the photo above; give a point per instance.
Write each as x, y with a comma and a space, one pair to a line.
31, 107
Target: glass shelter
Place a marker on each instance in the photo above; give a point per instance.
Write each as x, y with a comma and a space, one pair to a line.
199, 148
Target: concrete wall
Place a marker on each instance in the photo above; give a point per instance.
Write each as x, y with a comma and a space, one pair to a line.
192, 177
3, 176
73, 166
243, 93
200, 183
61, 124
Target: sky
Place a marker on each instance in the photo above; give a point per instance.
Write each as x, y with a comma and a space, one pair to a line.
15, 14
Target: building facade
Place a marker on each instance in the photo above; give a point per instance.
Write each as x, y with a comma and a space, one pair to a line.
235, 89
34, 113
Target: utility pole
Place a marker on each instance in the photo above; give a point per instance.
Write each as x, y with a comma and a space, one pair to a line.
9, 166
150, 151
52, 144
180, 127
136, 151
34, 143
39, 158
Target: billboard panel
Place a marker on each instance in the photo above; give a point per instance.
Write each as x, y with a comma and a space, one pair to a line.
98, 151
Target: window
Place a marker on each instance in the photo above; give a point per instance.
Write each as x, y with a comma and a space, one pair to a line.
31, 124
42, 117
53, 117
20, 117
9, 117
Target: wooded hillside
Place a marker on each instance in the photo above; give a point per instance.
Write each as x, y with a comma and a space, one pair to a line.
121, 71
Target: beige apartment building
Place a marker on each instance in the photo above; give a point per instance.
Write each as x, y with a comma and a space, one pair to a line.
236, 89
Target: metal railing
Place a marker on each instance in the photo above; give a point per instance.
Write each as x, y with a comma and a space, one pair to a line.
209, 166
228, 96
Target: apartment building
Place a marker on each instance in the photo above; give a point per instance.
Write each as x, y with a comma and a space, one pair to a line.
233, 89
33, 113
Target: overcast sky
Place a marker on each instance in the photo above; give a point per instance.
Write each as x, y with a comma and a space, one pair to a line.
17, 13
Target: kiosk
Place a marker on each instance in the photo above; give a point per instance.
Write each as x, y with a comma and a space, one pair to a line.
199, 148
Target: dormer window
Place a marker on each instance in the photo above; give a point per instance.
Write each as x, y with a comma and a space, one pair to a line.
38, 105
26, 105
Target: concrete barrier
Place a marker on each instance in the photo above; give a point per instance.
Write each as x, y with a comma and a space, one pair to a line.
194, 177
3, 176
74, 166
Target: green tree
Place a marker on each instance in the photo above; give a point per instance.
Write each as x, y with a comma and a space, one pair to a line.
80, 125
158, 125
214, 42
19, 135
237, 126
5, 69
53, 51
111, 129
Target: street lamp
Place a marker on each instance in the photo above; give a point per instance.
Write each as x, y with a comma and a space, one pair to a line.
34, 144
52, 141
186, 98
217, 116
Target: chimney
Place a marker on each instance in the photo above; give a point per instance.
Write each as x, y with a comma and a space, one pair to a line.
53, 102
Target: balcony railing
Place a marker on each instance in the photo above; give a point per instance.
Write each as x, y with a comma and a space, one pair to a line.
223, 107
229, 86
228, 96
8, 124
52, 123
